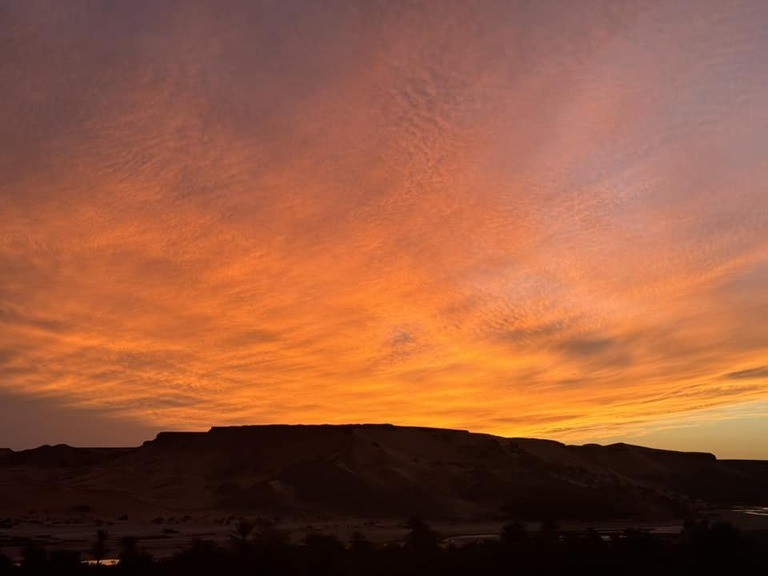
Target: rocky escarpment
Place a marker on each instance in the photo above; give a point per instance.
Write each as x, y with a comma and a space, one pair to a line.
382, 470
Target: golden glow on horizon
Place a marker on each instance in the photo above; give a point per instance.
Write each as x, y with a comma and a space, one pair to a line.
544, 220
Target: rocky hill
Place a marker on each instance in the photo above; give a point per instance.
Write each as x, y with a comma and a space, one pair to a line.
376, 471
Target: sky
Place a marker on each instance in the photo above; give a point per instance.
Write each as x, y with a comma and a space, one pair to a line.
527, 218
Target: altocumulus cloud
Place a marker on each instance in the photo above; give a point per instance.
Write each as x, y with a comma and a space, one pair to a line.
250, 212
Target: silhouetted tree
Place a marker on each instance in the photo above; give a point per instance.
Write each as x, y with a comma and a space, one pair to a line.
549, 527
323, 554
6, 566
717, 549
361, 554
358, 542
34, 560
133, 560
99, 545
65, 563
514, 534
701, 550
421, 548
241, 534
421, 538
201, 557
267, 537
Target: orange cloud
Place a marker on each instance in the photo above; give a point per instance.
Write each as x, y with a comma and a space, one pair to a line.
529, 221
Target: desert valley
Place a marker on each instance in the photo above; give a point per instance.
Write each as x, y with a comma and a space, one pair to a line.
360, 478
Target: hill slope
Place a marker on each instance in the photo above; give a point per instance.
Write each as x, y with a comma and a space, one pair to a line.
377, 470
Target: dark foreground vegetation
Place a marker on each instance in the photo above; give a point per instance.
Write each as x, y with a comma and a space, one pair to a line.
261, 548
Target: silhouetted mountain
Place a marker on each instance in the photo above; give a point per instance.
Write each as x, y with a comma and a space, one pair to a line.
62, 456
381, 470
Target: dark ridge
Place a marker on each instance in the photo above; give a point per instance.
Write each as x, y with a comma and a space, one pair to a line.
621, 446
308, 427
174, 438
370, 470
61, 455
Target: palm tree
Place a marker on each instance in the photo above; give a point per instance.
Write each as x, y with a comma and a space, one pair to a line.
129, 549
99, 546
421, 537
133, 560
241, 533
514, 534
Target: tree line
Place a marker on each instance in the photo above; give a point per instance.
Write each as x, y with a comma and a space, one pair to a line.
262, 548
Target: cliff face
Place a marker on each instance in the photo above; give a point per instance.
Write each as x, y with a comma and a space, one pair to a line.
383, 470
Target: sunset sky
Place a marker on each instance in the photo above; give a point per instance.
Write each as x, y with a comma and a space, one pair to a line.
528, 218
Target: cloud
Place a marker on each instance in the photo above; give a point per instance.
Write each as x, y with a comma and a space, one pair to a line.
758, 373
383, 212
